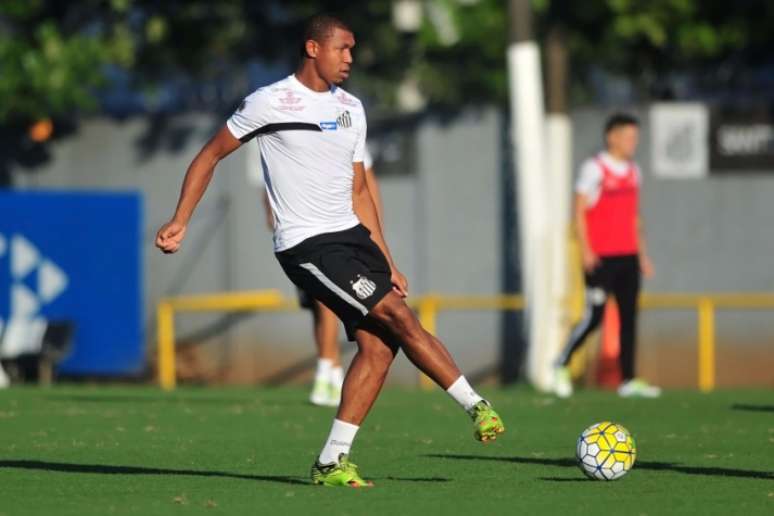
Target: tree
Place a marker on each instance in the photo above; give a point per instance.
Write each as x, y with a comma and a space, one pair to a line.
55, 56
52, 57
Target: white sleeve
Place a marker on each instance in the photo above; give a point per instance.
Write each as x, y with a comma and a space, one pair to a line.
360, 146
251, 115
589, 179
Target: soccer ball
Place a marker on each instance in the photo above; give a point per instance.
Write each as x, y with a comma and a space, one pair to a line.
606, 451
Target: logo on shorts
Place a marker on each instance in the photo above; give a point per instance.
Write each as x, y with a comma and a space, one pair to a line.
328, 125
596, 295
363, 287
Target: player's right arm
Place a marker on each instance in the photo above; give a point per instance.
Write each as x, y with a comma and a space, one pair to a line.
251, 114
170, 235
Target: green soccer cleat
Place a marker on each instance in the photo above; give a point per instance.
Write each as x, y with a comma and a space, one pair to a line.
321, 394
562, 382
486, 422
342, 474
334, 395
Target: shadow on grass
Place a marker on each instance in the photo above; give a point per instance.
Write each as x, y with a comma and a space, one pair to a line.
653, 466
144, 399
416, 479
564, 479
752, 408
101, 469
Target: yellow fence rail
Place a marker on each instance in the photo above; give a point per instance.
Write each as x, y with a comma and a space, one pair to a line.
429, 306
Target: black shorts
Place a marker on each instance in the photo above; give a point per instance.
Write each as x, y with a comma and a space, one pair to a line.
612, 271
345, 270
304, 299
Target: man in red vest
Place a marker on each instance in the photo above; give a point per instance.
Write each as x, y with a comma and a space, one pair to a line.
614, 253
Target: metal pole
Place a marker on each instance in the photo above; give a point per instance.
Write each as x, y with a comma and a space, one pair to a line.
706, 326
166, 345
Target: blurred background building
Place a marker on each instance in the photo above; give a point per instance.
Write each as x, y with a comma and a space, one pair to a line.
104, 103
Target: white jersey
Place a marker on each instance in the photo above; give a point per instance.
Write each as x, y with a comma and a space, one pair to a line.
308, 142
590, 176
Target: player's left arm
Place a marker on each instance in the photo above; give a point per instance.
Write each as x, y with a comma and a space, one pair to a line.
365, 210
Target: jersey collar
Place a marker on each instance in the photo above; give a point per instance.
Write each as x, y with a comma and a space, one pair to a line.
322, 94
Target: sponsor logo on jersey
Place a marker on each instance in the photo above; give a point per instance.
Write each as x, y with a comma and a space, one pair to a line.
346, 99
363, 287
290, 98
328, 125
344, 119
290, 102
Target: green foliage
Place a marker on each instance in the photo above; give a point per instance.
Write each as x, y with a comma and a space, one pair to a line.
53, 55
48, 70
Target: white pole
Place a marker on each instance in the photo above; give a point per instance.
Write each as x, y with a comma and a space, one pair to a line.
528, 116
559, 160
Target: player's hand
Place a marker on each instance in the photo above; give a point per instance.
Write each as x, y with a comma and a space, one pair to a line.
399, 283
646, 266
170, 237
590, 260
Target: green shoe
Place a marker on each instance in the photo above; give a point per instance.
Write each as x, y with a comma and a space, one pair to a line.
486, 422
342, 474
321, 395
562, 382
334, 395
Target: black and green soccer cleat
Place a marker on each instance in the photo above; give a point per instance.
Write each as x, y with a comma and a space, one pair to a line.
344, 474
486, 422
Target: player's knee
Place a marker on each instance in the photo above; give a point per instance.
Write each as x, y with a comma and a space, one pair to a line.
385, 310
381, 355
393, 313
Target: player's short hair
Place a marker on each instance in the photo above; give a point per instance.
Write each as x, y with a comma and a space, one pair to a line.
617, 120
320, 27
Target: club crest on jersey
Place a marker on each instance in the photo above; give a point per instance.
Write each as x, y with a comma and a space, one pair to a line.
363, 287
329, 125
344, 119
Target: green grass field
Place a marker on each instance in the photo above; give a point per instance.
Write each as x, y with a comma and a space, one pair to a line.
135, 450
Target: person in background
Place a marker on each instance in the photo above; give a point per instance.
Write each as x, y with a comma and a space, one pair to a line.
614, 252
4, 380
329, 375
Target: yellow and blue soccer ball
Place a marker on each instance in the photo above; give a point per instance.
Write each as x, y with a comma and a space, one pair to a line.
606, 451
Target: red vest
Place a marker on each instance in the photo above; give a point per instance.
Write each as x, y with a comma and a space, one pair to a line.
612, 222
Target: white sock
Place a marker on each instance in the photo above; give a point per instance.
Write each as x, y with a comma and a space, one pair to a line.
324, 367
4, 380
337, 376
339, 441
463, 393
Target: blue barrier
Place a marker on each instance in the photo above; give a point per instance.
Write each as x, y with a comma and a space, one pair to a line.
76, 256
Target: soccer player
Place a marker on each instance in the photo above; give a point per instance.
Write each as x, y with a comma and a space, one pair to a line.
614, 252
327, 236
329, 375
